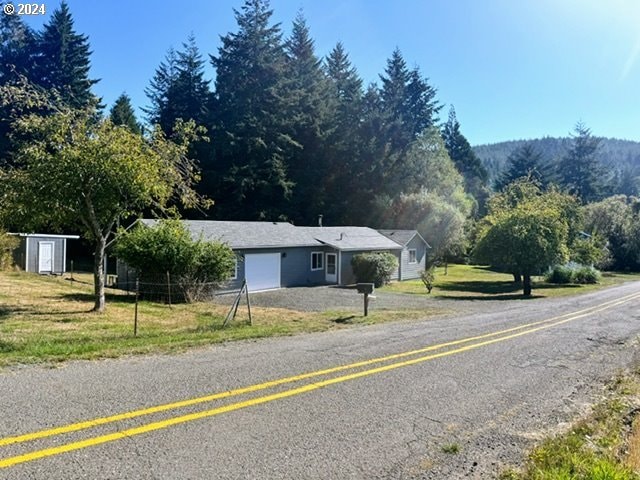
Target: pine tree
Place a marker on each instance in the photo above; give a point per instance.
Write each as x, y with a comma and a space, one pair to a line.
179, 89
343, 181
251, 130
122, 114
309, 93
579, 170
17, 49
465, 160
63, 60
524, 161
408, 102
160, 93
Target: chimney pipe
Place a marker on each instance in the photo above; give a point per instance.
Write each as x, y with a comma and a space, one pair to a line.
320, 220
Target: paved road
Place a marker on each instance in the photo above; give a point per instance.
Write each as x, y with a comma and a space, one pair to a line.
490, 383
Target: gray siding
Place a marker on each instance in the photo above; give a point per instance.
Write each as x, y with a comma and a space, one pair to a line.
295, 266
31, 249
412, 270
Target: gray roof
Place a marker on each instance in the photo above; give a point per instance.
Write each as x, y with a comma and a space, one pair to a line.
240, 235
402, 236
248, 234
352, 238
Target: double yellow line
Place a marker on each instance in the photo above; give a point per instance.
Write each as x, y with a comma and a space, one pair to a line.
480, 341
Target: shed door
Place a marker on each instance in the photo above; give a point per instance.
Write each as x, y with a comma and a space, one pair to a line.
45, 257
262, 271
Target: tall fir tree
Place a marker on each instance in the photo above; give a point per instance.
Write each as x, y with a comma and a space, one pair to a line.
63, 60
343, 181
122, 113
524, 161
465, 160
311, 103
579, 170
179, 89
160, 93
18, 43
251, 135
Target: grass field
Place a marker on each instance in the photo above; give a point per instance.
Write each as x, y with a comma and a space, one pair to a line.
469, 282
48, 319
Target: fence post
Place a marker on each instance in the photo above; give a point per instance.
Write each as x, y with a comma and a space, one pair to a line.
72, 270
135, 317
169, 287
246, 289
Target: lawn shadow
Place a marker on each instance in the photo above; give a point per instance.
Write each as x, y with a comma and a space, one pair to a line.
343, 319
513, 296
90, 297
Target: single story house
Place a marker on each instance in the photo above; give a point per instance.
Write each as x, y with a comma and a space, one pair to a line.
278, 254
414, 252
42, 253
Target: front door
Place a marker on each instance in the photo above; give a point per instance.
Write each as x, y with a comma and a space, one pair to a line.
45, 257
331, 270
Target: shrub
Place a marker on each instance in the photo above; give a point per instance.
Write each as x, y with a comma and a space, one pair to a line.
559, 274
586, 275
195, 265
573, 273
374, 268
7, 245
428, 276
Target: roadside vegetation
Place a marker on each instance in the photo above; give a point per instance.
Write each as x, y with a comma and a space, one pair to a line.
49, 319
471, 282
603, 446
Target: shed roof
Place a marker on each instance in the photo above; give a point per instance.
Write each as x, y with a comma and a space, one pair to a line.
403, 237
46, 235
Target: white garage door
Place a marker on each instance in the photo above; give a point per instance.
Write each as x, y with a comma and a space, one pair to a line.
262, 271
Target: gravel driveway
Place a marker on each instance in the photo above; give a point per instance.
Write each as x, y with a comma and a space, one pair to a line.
319, 299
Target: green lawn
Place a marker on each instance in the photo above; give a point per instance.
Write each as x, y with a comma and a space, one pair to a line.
467, 282
48, 319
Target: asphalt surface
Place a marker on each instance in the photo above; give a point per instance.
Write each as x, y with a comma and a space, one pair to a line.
492, 396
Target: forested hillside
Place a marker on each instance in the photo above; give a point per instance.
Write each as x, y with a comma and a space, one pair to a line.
613, 154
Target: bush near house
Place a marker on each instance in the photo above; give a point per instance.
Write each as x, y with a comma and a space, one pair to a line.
374, 268
194, 265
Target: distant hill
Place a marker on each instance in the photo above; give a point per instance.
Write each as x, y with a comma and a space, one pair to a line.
615, 154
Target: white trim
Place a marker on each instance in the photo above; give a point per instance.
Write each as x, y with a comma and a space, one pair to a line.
334, 277
64, 255
53, 257
26, 255
45, 235
415, 256
235, 269
321, 267
339, 267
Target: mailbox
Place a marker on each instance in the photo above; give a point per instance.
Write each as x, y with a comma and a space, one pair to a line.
365, 288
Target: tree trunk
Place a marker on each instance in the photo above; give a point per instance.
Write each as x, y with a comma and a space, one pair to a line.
446, 267
526, 285
517, 278
98, 274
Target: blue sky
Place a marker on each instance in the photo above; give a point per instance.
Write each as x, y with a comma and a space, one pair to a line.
512, 69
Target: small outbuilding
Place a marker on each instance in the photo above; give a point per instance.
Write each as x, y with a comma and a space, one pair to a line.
42, 253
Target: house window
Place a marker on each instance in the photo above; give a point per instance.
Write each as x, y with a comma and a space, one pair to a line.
317, 260
412, 256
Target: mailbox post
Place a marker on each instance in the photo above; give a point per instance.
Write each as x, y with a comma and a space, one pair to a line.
367, 289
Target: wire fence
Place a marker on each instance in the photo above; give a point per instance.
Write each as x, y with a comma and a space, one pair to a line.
172, 292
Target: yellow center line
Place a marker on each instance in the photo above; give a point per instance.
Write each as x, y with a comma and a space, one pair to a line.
150, 427
273, 383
